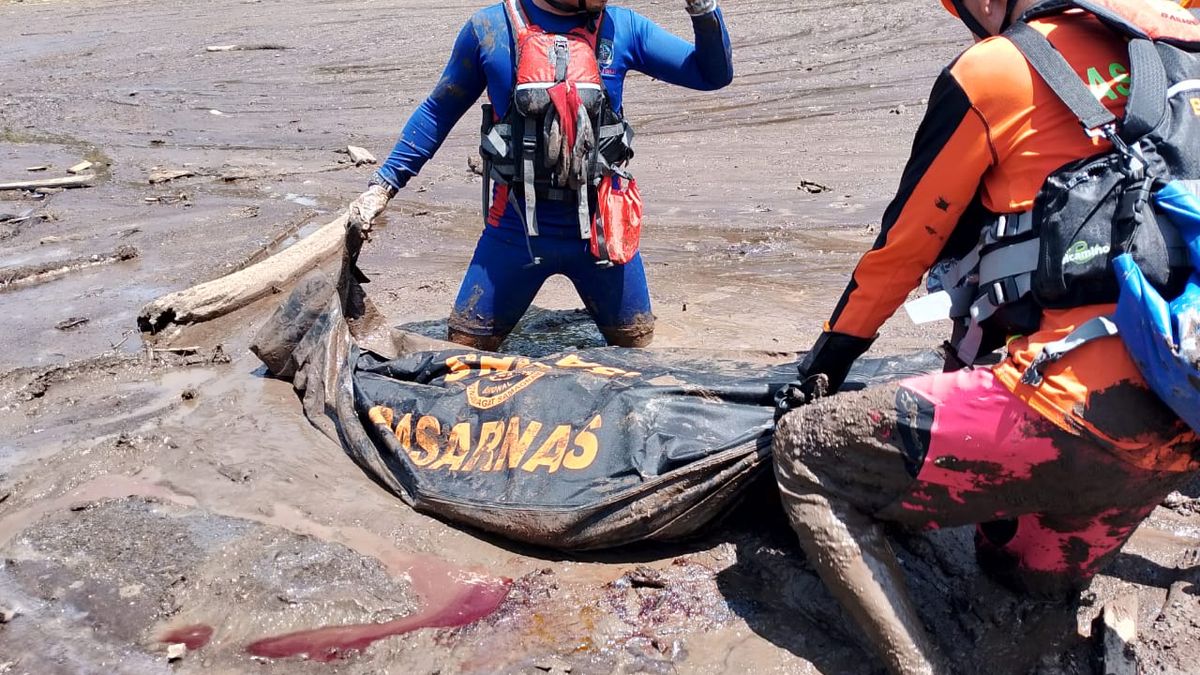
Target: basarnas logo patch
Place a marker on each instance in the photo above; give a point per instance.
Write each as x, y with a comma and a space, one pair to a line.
496, 389
604, 54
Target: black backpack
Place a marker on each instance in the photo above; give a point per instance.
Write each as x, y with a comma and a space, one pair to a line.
1060, 255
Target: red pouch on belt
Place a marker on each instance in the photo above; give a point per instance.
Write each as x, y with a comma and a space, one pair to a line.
617, 225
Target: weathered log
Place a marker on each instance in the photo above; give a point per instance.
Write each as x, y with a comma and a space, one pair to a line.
221, 296
28, 275
1114, 633
84, 180
243, 48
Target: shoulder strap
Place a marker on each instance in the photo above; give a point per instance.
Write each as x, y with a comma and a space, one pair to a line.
1061, 77
1147, 104
516, 17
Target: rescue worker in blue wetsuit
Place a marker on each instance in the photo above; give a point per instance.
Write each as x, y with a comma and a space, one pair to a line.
555, 144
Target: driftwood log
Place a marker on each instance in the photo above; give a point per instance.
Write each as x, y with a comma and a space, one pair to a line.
234, 291
83, 180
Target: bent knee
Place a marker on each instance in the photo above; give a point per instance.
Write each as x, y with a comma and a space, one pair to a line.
637, 333
796, 446
483, 343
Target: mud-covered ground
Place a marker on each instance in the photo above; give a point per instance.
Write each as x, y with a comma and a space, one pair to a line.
151, 497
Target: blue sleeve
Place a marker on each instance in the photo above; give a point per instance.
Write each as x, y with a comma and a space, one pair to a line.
461, 85
706, 65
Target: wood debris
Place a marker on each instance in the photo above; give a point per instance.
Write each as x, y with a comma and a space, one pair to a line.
243, 48
84, 180
221, 296
80, 167
1114, 633
166, 175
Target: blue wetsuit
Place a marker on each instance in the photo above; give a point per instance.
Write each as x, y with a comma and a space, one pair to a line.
500, 282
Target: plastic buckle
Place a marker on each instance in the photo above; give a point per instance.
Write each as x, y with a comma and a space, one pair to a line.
1001, 226
997, 294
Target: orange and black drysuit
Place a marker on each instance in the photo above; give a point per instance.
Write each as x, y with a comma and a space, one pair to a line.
1061, 473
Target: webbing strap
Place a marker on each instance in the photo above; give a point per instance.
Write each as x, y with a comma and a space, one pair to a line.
1009, 226
994, 296
585, 224
1147, 104
1099, 327
1008, 261
970, 344
1060, 76
528, 180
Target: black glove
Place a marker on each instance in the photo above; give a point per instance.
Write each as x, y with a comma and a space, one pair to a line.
823, 370
800, 392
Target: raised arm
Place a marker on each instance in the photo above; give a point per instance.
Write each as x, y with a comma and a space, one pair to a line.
460, 86
705, 65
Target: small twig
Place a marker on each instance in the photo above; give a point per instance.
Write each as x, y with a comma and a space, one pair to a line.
128, 334
243, 48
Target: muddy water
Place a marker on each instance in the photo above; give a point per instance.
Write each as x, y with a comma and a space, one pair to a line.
245, 524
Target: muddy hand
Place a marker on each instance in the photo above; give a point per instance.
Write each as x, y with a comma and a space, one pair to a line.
800, 392
366, 207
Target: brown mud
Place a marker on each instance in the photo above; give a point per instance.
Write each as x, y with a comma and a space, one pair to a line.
149, 498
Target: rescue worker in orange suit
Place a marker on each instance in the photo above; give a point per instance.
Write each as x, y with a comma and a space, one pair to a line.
536, 225
1056, 477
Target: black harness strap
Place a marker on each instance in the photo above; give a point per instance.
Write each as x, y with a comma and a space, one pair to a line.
1061, 77
1147, 105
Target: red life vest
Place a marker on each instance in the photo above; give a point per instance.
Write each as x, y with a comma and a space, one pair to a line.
560, 138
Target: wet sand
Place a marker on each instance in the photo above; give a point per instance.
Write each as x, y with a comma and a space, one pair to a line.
182, 496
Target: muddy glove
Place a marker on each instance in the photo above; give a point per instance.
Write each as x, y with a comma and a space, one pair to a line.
823, 370
368, 205
798, 393
701, 7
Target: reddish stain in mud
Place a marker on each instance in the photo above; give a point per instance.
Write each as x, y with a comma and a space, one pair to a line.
193, 637
471, 603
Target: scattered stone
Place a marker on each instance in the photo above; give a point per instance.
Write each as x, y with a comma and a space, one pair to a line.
360, 156
189, 394
644, 577
1181, 503
475, 164
1114, 633
812, 187
176, 651
80, 167
899, 110
7, 614
71, 323
166, 175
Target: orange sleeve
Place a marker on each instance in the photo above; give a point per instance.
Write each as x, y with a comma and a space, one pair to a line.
951, 152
